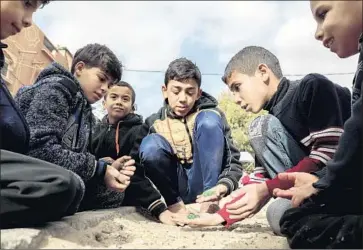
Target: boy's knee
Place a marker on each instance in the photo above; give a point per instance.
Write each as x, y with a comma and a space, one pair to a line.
263, 125
208, 120
275, 212
152, 146
69, 186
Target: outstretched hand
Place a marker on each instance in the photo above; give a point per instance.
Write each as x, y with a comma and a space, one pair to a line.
197, 220
213, 194
302, 187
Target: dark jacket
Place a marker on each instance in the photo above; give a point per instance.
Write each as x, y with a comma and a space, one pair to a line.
60, 121
313, 110
117, 140
345, 170
166, 123
14, 129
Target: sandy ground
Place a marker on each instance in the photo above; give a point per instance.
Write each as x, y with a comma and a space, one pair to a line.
134, 231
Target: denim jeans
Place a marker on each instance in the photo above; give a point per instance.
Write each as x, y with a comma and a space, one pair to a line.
276, 151
184, 182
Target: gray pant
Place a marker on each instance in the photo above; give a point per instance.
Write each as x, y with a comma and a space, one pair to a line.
276, 151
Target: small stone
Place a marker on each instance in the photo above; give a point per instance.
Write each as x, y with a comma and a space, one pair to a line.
98, 237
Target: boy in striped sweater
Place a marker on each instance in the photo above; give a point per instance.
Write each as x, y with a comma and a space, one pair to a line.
300, 133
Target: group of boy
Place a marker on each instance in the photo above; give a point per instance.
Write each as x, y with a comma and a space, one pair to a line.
56, 160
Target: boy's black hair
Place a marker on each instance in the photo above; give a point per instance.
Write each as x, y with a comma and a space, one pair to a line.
182, 69
43, 2
100, 56
247, 60
127, 85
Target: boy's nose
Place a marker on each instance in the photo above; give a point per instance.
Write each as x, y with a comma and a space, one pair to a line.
319, 34
237, 99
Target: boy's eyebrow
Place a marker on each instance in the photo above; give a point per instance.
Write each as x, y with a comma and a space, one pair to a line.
105, 75
190, 88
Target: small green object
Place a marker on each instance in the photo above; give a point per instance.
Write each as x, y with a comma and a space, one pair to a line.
208, 193
192, 216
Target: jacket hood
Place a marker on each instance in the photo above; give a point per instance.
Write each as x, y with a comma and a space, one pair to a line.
204, 102
57, 70
129, 120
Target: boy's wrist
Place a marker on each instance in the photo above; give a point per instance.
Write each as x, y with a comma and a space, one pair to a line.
101, 167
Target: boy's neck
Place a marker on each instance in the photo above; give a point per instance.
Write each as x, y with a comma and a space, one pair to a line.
112, 120
273, 86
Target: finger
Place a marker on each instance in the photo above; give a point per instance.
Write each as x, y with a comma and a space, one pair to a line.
238, 204
124, 159
130, 162
127, 173
239, 211
297, 200
287, 176
242, 216
129, 168
287, 194
122, 178
205, 199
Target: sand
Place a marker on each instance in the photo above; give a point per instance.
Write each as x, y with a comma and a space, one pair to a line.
135, 231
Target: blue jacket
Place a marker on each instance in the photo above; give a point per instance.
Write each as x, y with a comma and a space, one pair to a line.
14, 129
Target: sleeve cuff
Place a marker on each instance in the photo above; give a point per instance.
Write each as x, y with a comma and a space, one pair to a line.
101, 167
320, 173
228, 183
156, 208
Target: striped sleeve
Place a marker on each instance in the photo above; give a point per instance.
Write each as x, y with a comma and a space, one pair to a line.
323, 143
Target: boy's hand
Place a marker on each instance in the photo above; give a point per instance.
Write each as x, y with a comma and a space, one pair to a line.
166, 218
213, 194
197, 220
118, 175
302, 187
256, 196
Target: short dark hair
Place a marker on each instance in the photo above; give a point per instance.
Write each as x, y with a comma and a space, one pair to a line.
247, 60
182, 69
100, 56
44, 2
127, 85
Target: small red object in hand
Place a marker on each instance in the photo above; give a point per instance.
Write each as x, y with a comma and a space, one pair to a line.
225, 215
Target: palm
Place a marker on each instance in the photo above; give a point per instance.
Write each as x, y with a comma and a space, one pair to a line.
198, 220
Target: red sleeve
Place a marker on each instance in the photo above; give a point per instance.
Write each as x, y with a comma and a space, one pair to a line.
306, 165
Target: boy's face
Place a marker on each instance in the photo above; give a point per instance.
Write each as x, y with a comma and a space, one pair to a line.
118, 102
94, 82
181, 95
16, 15
249, 92
339, 24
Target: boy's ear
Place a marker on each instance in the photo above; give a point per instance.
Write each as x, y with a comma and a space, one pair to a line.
104, 102
199, 93
164, 90
263, 72
78, 68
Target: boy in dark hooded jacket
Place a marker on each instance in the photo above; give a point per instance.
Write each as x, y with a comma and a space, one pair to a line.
115, 136
58, 110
